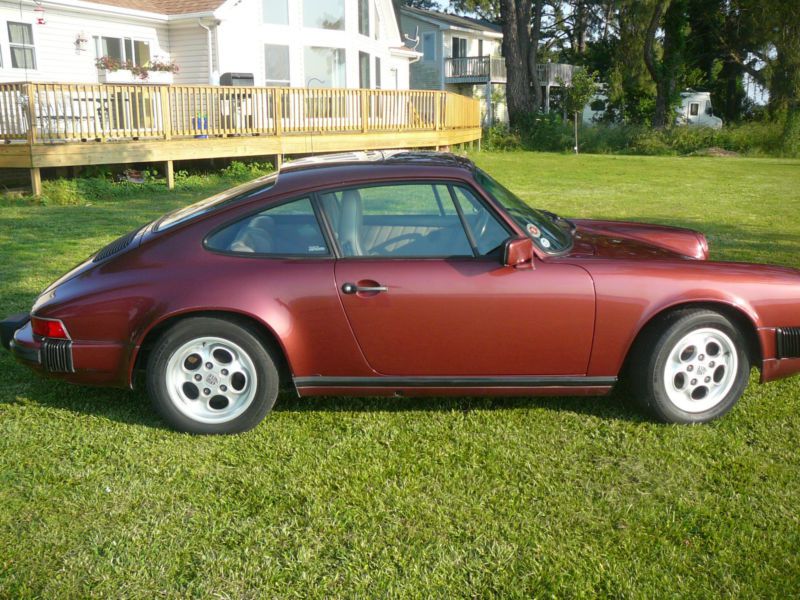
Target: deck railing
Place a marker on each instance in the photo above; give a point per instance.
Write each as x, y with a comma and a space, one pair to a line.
43, 113
476, 67
555, 73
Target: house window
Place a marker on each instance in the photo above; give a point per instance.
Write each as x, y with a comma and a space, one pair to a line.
323, 14
363, 17
459, 47
137, 51
20, 38
377, 73
325, 67
130, 50
429, 46
480, 47
275, 12
694, 108
276, 60
363, 70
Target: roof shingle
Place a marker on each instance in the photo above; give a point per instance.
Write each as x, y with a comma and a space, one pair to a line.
165, 7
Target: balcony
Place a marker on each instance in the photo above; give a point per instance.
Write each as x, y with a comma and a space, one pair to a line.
554, 74
475, 69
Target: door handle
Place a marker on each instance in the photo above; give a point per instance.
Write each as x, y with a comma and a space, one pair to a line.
352, 288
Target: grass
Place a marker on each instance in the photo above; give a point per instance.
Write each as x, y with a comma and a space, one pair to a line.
400, 497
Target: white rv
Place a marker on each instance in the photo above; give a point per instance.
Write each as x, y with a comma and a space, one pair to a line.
695, 109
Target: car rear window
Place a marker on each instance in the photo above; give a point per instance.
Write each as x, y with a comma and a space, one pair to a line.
202, 207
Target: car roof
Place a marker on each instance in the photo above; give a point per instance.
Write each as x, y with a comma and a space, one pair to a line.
417, 158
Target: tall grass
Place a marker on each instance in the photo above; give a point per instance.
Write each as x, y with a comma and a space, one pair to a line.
551, 134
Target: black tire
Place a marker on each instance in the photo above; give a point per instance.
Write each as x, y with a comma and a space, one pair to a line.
168, 404
649, 363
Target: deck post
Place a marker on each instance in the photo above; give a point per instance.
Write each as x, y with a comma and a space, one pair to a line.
277, 111
31, 110
169, 168
166, 114
36, 181
278, 161
364, 111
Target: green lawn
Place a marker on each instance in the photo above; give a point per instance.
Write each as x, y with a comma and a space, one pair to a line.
414, 498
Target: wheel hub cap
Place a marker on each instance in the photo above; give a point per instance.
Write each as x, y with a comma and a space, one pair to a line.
211, 380
701, 370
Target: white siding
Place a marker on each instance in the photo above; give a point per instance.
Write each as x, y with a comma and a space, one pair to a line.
57, 58
491, 47
424, 75
189, 45
242, 34
238, 42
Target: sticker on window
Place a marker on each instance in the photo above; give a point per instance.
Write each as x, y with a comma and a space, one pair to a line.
534, 230
317, 249
544, 242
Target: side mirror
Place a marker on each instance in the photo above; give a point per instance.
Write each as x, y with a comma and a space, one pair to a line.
518, 251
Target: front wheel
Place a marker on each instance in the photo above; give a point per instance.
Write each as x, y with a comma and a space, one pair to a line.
692, 368
211, 376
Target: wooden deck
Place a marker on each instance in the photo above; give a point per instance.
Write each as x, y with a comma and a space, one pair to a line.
59, 124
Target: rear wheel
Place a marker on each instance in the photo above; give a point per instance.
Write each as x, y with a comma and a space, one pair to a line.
691, 368
210, 376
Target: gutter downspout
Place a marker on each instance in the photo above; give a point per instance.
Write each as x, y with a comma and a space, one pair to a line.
210, 52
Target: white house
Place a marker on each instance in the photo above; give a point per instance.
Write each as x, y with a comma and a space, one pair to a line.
298, 43
459, 54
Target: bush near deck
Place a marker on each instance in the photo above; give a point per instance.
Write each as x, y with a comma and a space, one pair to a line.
342, 497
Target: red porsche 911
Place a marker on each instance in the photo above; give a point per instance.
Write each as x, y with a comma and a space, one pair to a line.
406, 273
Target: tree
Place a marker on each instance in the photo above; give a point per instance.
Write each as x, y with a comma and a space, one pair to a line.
516, 18
630, 87
423, 4
577, 93
667, 71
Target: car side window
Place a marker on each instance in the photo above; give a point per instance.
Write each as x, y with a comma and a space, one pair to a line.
289, 229
486, 230
396, 220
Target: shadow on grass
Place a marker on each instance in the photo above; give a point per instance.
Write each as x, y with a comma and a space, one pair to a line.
134, 408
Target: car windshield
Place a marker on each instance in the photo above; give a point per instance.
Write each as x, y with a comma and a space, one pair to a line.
240, 192
551, 233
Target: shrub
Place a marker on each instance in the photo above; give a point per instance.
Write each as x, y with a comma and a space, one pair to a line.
500, 138
549, 133
85, 190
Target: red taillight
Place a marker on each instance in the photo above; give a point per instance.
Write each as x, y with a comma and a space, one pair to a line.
49, 328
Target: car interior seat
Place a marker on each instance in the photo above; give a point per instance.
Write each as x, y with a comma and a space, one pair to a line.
350, 223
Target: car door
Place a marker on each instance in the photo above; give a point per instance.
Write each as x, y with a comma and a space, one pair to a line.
425, 292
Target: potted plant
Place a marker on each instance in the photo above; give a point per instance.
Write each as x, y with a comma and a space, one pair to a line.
157, 70
112, 70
